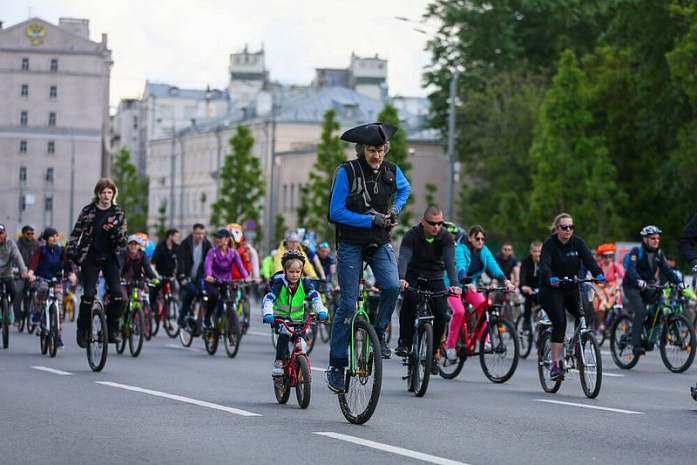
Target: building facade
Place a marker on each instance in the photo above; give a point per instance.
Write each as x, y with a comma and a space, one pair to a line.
54, 120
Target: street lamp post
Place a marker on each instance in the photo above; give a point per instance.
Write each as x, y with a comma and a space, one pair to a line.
172, 174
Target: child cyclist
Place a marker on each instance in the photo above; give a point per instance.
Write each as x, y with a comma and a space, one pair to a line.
286, 299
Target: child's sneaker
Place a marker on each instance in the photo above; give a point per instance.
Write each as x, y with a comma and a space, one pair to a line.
59, 342
277, 369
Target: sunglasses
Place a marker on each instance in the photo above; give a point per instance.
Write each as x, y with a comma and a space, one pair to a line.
567, 227
324, 244
480, 239
434, 223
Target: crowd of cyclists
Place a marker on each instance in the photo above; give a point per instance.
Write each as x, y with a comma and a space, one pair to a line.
367, 196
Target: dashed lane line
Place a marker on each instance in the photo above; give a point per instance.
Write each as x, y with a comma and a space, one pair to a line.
605, 373
392, 449
54, 371
594, 407
186, 400
175, 346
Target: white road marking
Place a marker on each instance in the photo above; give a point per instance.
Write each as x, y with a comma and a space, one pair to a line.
395, 450
175, 346
186, 400
51, 370
259, 333
319, 369
605, 373
595, 407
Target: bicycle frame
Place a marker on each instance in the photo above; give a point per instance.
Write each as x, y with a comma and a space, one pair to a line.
297, 331
483, 312
359, 313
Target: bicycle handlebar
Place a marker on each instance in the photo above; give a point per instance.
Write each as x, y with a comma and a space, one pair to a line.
429, 294
296, 328
489, 290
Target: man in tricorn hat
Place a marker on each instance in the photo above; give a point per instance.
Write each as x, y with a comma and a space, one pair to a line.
359, 206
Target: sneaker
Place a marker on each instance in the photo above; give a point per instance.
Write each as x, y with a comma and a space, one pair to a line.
402, 350
81, 337
114, 336
434, 366
277, 368
487, 344
638, 351
59, 343
693, 392
556, 374
385, 349
335, 379
451, 354
601, 328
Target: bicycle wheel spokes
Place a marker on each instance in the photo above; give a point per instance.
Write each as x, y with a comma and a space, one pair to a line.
232, 333
544, 363
135, 335
97, 343
590, 366
526, 336
421, 363
171, 316
500, 351
621, 343
53, 330
677, 344
364, 375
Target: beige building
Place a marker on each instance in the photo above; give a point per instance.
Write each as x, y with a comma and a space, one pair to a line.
54, 116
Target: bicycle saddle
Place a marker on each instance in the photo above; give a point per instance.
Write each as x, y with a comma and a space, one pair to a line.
369, 250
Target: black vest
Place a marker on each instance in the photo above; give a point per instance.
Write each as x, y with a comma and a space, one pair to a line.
380, 191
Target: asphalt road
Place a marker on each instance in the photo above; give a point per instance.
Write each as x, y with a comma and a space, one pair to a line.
181, 406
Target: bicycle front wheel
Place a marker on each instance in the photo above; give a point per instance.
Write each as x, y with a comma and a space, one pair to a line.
147, 320
5, 322
281, 388
544, 363
621, 343
53, 330
310, 336
526, 336
421, 360
303, 386
499, 350
123, 330
677, 344
97, 343
171, 316
135, 335
43, 333
363, 376
449, 369
590, 367
232, 333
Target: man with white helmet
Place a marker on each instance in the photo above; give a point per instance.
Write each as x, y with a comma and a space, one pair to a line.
642, 262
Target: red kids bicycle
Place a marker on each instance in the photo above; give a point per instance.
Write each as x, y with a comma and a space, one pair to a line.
483, 332
297, 371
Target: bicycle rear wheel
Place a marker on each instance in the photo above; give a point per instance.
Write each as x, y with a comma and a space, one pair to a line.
147, 319
53, 330
244, 314
449, 369
544, 363
362, 386
210, 339
232, 333
303, 386
187, 332
590, 366
22, 321
677, 344
526, 336
43, 333
28, 307
123, 330
171, 315
281, 387
5, 322
135, 335
621, 343
97, 338
499, 361
420, 360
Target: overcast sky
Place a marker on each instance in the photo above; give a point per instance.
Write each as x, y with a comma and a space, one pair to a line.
187, 43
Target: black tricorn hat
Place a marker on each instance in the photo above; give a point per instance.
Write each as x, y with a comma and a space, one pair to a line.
375, 134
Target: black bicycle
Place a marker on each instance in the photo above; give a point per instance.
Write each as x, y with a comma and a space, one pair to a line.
5, 306
581, 352
419, 360
665, 324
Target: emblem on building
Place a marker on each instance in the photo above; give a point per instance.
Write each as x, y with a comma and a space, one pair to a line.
36, 33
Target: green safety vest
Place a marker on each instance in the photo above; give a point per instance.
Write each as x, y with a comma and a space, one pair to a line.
292, 306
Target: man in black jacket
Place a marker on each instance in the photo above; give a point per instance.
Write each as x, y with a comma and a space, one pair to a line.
165, 259
426, 253
530, 281
192, 255
26, 244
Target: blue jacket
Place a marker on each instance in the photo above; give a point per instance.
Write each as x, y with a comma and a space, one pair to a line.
340, 214
463, 258
638, 267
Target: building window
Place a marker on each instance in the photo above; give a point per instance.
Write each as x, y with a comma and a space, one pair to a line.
48, 204
292, 196
25, 90
53, 92
22, 203
54, 65
25, 64
22, 174
23, 118
52, 119
135, 122
49, 177
22, 146
51, 147
285, 197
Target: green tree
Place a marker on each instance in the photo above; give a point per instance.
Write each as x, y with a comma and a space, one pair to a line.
242, 183
573, 172
430, 196
280, 229
315, 198
399, 155
133, 191
161, 225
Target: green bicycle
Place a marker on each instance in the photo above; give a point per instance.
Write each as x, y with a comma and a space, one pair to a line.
131, 325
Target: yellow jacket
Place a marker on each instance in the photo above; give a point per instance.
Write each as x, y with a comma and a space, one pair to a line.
308, 270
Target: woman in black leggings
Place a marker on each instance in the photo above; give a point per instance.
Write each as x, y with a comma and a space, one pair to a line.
99, 233
562, 257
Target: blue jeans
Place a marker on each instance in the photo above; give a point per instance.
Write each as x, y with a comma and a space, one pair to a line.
349, 263
188, 294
